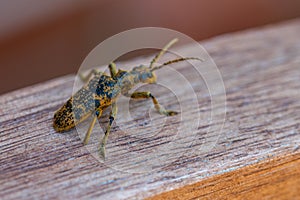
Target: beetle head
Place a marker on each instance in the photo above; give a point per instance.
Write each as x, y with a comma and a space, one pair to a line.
145, 75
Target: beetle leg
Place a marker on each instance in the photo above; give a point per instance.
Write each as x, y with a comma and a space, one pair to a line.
92, 124
112, 117
158, 107
86, 78
113, 69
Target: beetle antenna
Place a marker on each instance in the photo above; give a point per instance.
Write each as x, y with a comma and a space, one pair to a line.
175, 61
155, 59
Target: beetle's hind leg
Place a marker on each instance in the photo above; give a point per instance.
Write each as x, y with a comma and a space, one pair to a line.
158, 107
91, 127
112, 117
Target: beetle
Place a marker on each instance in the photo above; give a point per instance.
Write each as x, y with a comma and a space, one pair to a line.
101, 91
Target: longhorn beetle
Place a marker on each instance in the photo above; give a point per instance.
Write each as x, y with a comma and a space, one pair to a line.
101, 91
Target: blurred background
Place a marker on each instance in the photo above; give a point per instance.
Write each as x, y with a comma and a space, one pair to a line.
40, 40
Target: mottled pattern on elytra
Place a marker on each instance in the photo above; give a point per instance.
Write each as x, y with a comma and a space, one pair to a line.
99, 93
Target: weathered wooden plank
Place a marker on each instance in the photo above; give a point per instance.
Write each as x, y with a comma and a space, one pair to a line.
260, 69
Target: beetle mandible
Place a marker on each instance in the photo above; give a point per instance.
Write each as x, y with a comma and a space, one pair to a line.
101, 91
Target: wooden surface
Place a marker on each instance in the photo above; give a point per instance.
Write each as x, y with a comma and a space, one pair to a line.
260, 69
277, 178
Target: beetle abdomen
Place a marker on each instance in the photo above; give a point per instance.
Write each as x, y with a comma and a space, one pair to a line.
74, 111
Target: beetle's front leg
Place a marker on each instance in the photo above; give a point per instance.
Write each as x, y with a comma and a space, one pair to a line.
112, 117
158, 107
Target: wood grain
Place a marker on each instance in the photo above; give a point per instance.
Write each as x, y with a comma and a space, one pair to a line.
276, 178
260, 69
